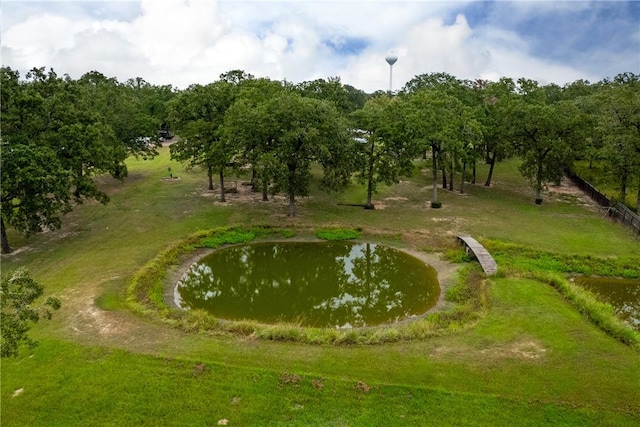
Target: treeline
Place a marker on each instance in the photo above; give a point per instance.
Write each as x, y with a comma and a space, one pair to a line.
58, 133
278, 129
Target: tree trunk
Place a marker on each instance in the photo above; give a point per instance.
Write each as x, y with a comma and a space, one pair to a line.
6, 249
368, 205
253, 179
451, 172
210, 176
473, 180
291, 189
222, 199
464, 169
292, 204
434, 168
265, 187
623, 187
77, 192
492, 163
539, 184
444, 175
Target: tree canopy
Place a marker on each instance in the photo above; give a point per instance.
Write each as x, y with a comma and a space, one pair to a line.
18, 293
386, 151
57, 135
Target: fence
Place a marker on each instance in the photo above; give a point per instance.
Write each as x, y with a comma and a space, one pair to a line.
626, 215
616, 210
591, 191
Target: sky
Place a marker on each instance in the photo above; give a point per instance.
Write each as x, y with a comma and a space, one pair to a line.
182, 42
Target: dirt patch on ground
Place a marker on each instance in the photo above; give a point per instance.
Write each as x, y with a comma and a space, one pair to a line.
88, 323
530, 350
568, 191
241, 192
525, 349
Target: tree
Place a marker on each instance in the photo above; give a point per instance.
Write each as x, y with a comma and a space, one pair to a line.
151, 100
345, 98
18, 292
197, 116
542, 134
236, 77
437, 120
121, 107
57, 133
442, 82
386, 154
470, 134
254, 141
35, 190
619, 125
304, 130
496, 99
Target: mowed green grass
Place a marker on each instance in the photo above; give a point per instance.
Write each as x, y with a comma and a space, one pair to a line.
531, 360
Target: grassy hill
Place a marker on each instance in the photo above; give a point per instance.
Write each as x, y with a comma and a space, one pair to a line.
531, 359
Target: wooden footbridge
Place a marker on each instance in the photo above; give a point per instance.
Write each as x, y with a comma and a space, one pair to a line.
482, 255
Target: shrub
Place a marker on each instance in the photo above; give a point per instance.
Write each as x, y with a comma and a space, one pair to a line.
228, 237
334, 234
457, 256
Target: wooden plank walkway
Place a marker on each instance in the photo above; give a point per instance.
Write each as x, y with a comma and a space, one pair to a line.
482, 255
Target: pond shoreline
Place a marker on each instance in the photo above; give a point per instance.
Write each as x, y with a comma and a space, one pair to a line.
444, 269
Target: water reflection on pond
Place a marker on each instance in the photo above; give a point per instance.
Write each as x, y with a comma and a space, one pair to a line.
622, 294
316, 284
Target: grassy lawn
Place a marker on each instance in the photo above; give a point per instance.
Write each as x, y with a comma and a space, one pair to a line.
532, 359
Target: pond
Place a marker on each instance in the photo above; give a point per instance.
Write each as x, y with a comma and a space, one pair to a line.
334, 284
622, 294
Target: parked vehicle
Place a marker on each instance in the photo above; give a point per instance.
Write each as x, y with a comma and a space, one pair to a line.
164, 134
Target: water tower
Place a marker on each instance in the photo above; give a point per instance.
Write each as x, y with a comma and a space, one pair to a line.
391, 59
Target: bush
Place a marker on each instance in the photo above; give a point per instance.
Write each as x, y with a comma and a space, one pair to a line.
333, 234
229, 237
457, 256
436, 205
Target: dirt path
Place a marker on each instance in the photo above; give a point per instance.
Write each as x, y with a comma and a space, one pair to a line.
83, 320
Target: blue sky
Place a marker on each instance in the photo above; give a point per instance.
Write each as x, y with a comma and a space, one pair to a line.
180, 42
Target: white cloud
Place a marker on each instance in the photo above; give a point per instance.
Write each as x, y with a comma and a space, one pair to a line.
184, 42
34, 41
106, 50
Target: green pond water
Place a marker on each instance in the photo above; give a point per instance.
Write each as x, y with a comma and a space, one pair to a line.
622, 294
335, 284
